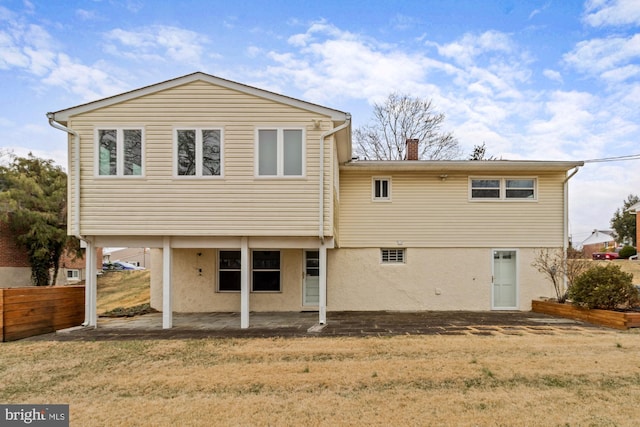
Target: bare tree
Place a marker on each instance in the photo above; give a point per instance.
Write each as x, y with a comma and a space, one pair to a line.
403, 117
557, 265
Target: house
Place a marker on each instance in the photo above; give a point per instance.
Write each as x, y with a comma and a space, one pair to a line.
598, 240
15, 269
139, 257
251, 201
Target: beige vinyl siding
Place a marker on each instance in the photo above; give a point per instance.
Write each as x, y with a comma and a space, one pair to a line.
236, 204
426, 211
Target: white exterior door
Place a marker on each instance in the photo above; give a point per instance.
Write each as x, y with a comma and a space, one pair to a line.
505, 280
311, 281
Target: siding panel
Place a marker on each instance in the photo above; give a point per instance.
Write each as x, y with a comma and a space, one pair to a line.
428, 212
235, 204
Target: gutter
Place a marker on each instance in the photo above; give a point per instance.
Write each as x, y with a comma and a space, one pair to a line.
323, 136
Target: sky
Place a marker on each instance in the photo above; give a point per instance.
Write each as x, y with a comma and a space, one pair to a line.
532, 80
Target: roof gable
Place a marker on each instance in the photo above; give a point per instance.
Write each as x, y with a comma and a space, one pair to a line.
64, 115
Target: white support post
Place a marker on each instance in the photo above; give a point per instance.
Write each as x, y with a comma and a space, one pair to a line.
244, 284
322, 308
167, 306
91, 286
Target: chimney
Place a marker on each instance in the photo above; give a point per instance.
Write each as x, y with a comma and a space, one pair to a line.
412, 149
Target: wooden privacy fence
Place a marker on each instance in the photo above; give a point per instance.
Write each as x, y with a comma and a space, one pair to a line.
25, 312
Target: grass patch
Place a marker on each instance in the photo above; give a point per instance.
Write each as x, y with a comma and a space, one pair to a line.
123, 290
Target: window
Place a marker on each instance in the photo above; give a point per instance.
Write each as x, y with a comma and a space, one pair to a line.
266, 271
392, 256
280, 152
119, 152
381, 188
198, 152
73, 275
229, 271
503, 188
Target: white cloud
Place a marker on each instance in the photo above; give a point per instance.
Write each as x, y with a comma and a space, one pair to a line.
599, 13
467, 49
552, 75
601, 55
158, 43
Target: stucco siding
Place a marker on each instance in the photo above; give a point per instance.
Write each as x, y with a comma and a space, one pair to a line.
427, 211
195, 290
431, 279
237, 203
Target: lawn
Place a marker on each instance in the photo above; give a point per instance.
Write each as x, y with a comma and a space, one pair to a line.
587, 379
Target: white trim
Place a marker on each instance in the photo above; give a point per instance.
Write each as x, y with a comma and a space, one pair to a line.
279, 152
517, 284
244, 283
198, 130
119, 151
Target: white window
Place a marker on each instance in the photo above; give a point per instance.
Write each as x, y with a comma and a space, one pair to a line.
73, 275
119, 151
392, 256
198, 152
503, 189
381, 189
266, 271
280, 152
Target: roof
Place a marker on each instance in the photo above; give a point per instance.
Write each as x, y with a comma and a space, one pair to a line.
444, 166
63, 116
633, 209
599, 236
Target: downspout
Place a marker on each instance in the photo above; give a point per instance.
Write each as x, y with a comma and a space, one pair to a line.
76, 200
76, 171
565, 225
323, 136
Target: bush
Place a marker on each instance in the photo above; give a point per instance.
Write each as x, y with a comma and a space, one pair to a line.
604, 287
627, 251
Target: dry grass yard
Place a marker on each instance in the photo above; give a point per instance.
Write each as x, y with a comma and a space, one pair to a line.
117, 289
589, 379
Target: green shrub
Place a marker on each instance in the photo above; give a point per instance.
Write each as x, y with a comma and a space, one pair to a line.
604, 287
627, 251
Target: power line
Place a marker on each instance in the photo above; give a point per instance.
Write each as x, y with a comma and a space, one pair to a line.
614, 159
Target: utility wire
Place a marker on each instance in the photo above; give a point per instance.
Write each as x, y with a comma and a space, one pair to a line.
614, 159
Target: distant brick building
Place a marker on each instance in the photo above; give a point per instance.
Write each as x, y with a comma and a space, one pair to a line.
15, 269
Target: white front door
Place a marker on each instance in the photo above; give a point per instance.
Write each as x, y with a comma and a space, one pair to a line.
311, 282
505, 280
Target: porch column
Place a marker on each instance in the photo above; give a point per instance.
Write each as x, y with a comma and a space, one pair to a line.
91, 286
244, 283
167, 306
322, 304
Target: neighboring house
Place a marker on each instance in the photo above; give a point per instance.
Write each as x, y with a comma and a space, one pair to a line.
136, 256
15, 270
250, 201
597, 241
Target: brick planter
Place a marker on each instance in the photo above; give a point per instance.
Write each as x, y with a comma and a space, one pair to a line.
609, 318
29, 311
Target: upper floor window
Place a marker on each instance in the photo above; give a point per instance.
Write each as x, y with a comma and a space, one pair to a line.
280, 152
503, 188
198, 152
381, 189
119, 151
